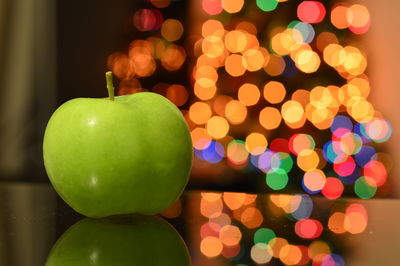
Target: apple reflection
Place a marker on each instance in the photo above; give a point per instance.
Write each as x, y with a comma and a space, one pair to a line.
138, 240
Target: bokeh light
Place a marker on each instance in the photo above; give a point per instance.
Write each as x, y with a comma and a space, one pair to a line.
217, 127
212, 7
147, 19
270, 118
274, 92
333, 188
314, 180
277, 179
200, 112
248, 94
311, 11
235, 112
232, 6
267, 5
256, 143
271, 94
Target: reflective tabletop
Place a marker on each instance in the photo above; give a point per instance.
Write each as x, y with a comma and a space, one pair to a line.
201, 228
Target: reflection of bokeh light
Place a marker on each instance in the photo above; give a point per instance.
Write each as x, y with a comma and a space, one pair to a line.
356, 218
231, 251
222, 219
234, 200
210, 229
301, 206
251, 217
173, 211
230, 235
260, 253
221, 233
211, 246
336, 223
308, 228
211, 205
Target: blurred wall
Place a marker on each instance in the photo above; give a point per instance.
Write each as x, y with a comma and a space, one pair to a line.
27, 82
51, 52
382, 42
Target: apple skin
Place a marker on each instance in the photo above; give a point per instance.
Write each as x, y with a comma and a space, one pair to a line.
130, 155
141, 241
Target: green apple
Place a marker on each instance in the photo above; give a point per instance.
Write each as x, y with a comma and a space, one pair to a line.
141, 241
108, 156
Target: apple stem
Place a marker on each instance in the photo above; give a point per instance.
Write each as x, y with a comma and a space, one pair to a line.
110, 86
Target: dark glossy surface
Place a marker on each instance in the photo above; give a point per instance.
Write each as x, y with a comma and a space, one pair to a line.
222, 225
